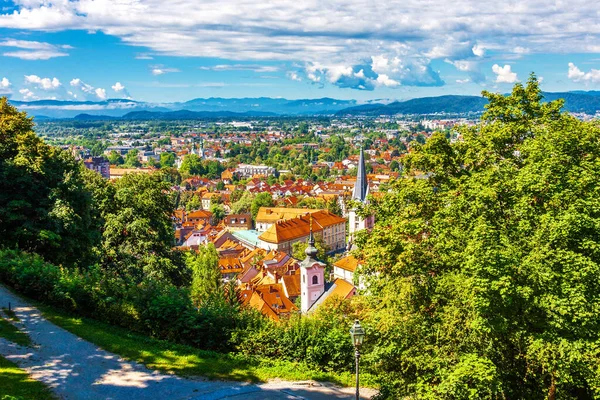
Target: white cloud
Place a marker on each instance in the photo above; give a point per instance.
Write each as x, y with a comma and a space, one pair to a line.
28, 94
5, 86
117, 87
463, 81
43, 83
332, 32
478, 50
143, 56
241, 67
161, 70
32, 50
504, 74
577, 75
101, 93
294, 76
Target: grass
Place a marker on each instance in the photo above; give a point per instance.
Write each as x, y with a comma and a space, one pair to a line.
12, 333
15, 382
11, 314
189, 361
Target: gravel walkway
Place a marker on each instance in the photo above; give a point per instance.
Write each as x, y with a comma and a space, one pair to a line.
76, 370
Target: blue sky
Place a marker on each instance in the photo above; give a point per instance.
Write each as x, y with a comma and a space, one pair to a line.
177, 50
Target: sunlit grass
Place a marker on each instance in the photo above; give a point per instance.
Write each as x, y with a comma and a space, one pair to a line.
12, 333
10, 313
15, 382
189, 361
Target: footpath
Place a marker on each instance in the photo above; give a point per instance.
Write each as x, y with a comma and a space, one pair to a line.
75, 369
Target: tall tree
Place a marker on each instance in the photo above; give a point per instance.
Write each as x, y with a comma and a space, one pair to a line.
45, 206
206, 276
485, 277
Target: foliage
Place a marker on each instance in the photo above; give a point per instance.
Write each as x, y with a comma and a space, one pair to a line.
44, 205
264, 199
299, 248
167, 159
206, 276
138, 233
484, 277
217, 211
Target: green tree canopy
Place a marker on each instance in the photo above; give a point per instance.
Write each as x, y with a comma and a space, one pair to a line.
263, 199
485, 278
45, 206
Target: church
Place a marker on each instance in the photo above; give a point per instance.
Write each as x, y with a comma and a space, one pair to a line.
313, 290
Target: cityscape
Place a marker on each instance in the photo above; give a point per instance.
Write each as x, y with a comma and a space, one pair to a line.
333, 200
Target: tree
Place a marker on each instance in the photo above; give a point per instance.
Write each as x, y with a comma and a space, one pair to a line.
217, 211
167, 159
131, 159
263, 199
243, 205
194, 203
45, 205
333, 206
220, 185
206, 284
192, 165
138, 234
483, 277
115, 158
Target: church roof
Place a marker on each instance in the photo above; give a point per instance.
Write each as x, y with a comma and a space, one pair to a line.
361, 187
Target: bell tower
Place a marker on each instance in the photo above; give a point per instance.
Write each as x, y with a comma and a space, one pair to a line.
312, 275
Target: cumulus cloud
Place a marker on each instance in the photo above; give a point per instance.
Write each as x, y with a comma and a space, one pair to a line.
117, 87
28, 94
82, 91
343, 32
101, 93
504, 74
471, 67
32, 50
43, 83
5, 86
577, 75
333, 32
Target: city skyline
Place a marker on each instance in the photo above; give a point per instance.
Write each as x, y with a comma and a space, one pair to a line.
157, 52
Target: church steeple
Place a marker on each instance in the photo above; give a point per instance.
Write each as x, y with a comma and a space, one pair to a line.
311, 250
361, 187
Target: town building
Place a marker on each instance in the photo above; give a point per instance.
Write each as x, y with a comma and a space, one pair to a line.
312, 276
98, 164
284, 233
248, 171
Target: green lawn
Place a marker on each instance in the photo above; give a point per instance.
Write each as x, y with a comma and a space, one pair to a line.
12, 333
188, 361
15, 382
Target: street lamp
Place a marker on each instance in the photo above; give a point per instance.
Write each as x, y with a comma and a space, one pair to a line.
357, 333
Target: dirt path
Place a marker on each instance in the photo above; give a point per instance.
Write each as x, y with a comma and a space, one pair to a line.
75, 369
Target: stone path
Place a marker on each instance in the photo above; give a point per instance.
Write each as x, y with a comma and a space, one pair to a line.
78, 370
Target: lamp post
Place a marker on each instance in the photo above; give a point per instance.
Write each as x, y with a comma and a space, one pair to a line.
357, 333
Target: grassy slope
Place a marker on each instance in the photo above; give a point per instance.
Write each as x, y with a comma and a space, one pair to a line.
15, 382
188, 361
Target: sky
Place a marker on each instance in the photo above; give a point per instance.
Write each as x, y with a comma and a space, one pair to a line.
177, 50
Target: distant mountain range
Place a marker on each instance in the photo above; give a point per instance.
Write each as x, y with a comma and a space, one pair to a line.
214, 107
580, 102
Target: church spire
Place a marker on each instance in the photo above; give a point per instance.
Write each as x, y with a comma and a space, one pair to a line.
361, 187
311, 250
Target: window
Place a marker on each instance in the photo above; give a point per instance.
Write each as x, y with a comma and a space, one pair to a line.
315, 280
303, 278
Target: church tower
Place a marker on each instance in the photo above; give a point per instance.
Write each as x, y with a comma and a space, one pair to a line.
359, 194
312, 275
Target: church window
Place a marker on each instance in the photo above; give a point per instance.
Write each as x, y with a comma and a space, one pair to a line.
315, 280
